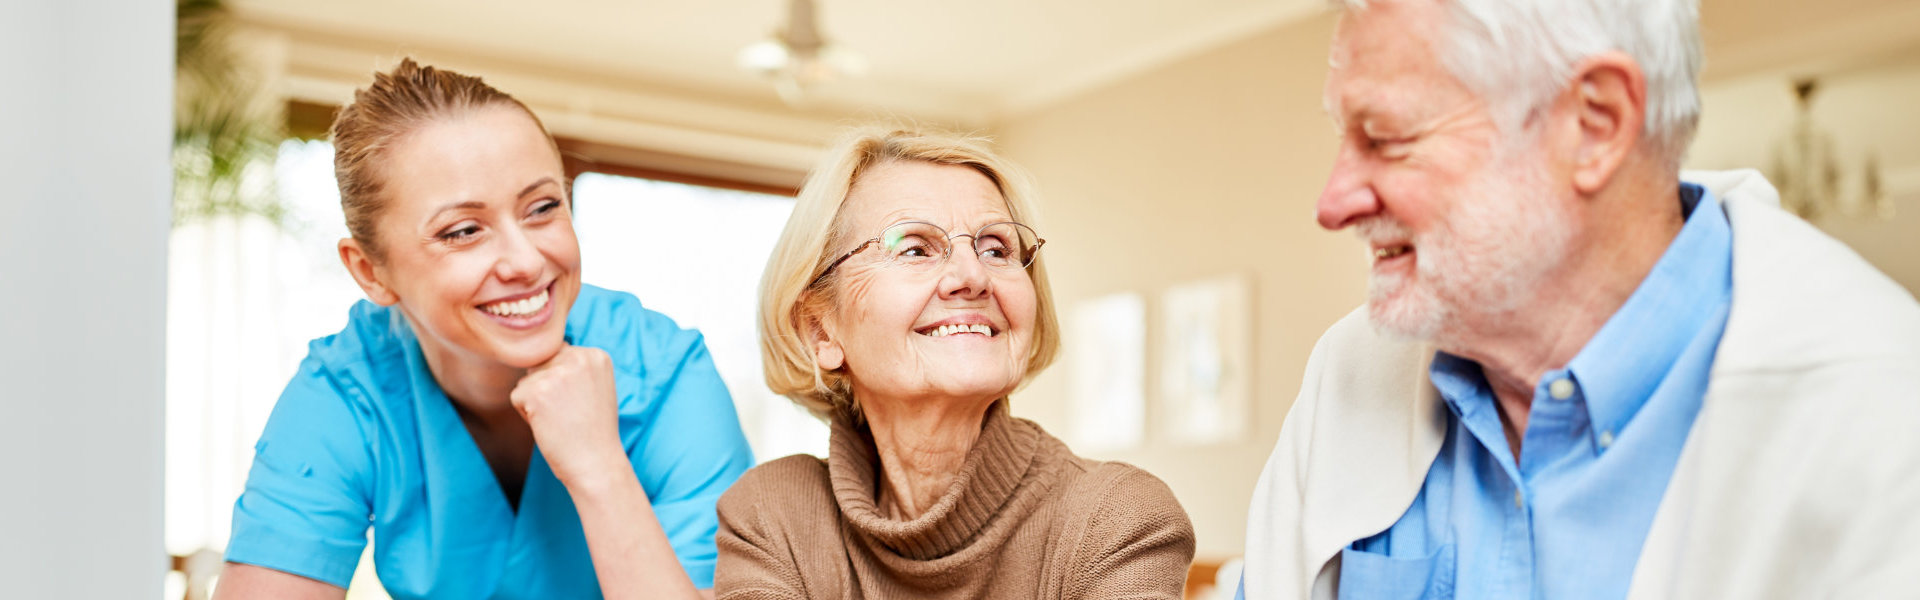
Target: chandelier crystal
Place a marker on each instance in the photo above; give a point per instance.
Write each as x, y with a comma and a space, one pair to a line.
1807, 171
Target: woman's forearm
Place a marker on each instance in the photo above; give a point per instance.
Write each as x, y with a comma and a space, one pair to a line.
630, 551
239, 581
569, 403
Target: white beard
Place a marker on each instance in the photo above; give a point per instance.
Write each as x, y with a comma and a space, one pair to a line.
1483, 261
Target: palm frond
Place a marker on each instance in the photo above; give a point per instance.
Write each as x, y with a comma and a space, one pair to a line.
224, 130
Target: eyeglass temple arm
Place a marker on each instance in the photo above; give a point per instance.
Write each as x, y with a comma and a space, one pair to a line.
843, 258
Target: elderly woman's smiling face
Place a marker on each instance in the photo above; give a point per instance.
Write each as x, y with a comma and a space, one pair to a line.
890, 327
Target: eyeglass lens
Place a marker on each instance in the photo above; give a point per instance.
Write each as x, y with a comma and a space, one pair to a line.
922, 245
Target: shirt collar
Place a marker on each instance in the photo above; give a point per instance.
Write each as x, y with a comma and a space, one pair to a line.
1632, 353
1459, 380
1617, 370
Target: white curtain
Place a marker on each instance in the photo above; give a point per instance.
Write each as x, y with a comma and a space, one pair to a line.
244, 296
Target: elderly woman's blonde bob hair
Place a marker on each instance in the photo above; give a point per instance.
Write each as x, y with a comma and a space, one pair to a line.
790, 296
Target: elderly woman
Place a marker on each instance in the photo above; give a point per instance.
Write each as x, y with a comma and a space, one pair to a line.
505, 430
904, 302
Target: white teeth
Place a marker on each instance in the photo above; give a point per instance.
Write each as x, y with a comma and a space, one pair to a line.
947, 330
518, 308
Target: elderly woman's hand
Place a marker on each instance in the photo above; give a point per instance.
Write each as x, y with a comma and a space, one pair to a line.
569, 403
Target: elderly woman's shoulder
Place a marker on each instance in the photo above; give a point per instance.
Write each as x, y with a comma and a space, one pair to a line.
798, 483
1119, 483
1098, 487
1117, 509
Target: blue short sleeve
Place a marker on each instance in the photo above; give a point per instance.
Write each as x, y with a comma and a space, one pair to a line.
693, 450
676, 418
306, 507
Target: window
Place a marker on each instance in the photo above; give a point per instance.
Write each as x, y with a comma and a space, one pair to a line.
695, 253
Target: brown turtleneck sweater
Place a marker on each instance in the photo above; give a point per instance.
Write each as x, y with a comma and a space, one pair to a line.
1024, 518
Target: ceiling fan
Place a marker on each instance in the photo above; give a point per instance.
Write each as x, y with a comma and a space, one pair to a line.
797, 57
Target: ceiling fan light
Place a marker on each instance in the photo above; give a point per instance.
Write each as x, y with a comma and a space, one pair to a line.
843, 61
766, 56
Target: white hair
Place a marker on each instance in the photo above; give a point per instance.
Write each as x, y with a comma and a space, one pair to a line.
1532, 47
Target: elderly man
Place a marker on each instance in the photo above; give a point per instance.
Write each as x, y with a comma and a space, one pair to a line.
1580, 373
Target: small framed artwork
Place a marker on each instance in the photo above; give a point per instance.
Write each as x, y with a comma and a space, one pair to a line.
1206, 360
1106, 346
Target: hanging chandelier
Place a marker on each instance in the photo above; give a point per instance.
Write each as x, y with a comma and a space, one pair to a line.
1806, 169
798, 57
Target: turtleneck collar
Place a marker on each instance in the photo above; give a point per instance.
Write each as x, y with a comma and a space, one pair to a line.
989, 483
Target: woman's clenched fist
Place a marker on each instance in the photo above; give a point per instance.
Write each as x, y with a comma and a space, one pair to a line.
569, 403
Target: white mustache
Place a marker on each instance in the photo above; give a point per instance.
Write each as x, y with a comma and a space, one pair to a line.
1382, 230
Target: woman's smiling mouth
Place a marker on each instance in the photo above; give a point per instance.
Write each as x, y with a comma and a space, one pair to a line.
957, 329
524, 312
963, 324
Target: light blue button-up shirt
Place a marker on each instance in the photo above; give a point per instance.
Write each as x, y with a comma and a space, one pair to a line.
1569, 518
364, 438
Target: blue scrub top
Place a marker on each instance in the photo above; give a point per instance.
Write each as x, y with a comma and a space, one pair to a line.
363, 437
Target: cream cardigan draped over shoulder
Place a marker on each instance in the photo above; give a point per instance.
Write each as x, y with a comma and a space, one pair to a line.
1799, 479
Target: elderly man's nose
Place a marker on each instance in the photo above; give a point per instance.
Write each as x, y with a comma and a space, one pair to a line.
1348, 195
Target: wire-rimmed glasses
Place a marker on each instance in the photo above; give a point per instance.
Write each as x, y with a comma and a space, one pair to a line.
923, 246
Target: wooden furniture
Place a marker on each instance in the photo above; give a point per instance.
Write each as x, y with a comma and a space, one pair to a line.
199, 568
1200, 577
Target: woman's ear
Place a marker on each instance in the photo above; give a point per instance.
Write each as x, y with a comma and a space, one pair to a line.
813, 318
361, 266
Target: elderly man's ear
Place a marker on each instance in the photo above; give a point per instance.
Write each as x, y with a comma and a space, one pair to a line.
1606, 111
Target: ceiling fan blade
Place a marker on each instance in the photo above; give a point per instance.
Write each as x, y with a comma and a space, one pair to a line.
803, 32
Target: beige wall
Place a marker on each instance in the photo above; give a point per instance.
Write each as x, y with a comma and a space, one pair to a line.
1205, 167
1868, 107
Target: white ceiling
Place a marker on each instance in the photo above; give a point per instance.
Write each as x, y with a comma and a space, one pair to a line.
966, 61
660, 76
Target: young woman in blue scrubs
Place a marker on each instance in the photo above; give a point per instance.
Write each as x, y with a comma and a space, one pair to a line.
504, 430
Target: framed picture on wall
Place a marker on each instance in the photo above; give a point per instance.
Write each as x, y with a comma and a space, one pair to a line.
1106, 344
1205, 360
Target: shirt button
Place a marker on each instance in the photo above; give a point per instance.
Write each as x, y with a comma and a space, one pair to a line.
1606, 439
1519, 500
1560, 389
